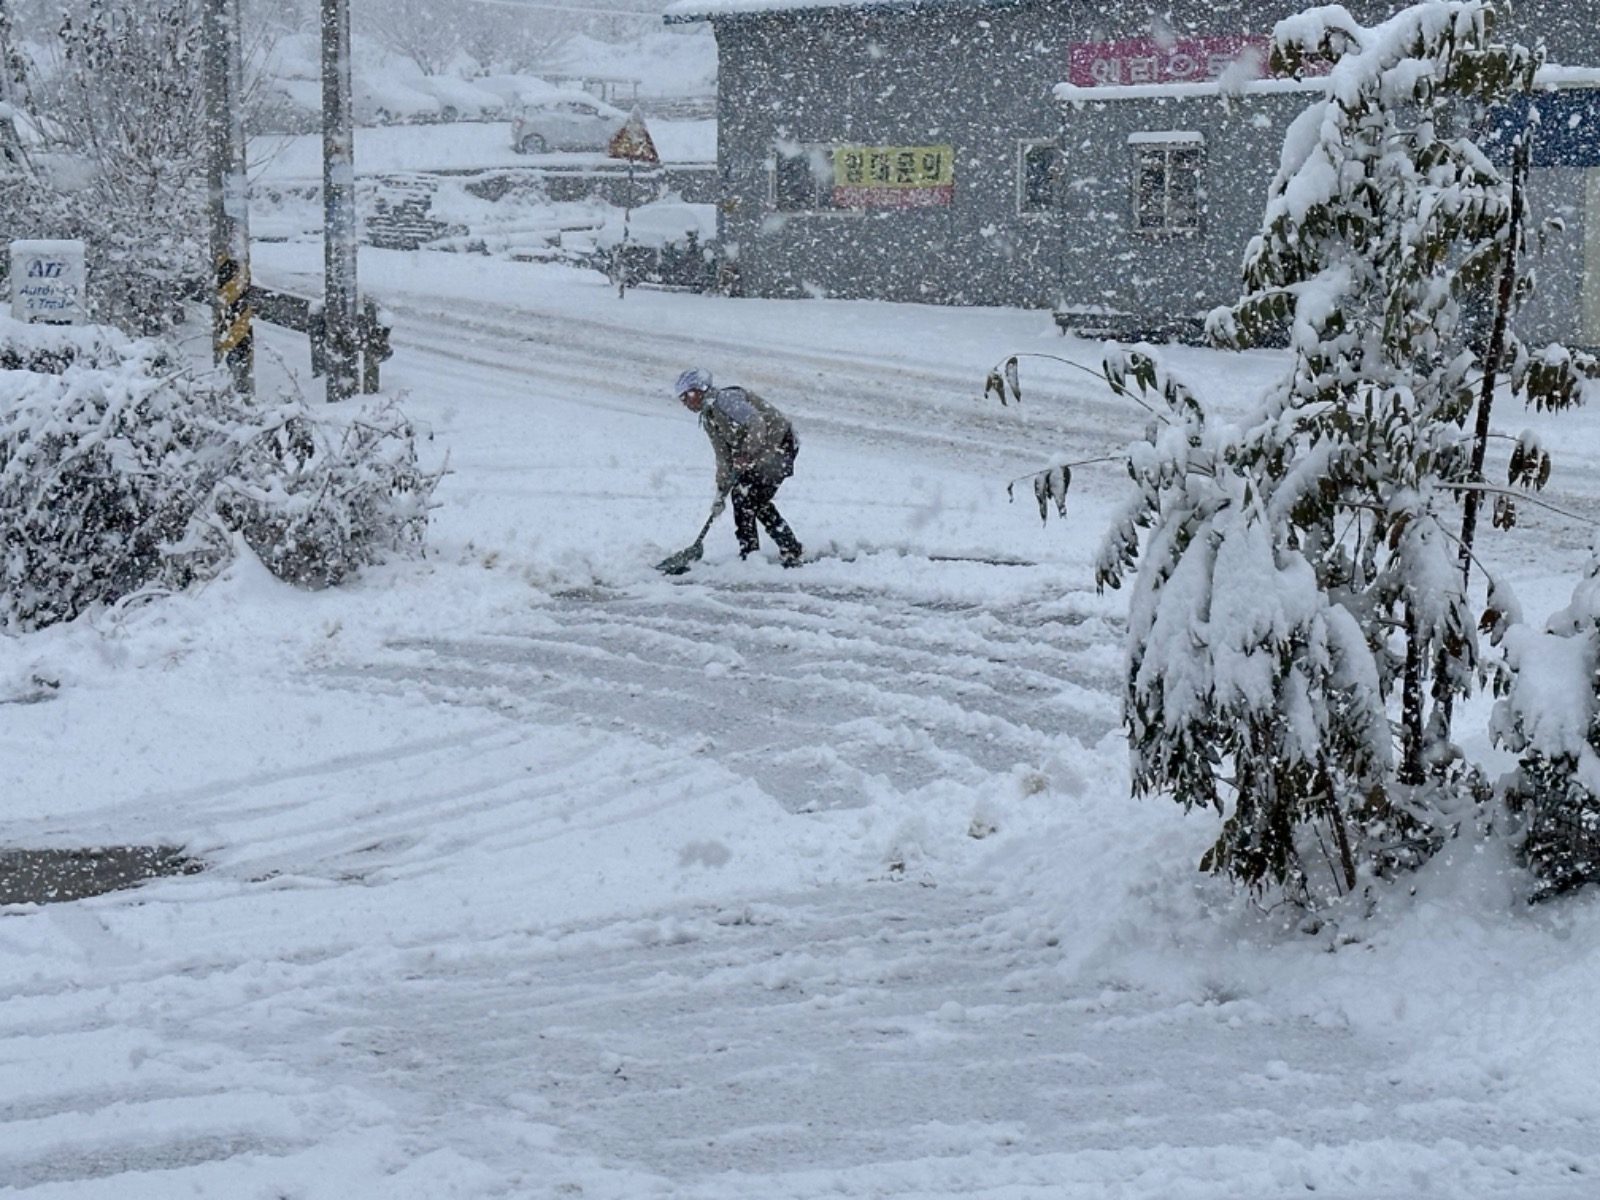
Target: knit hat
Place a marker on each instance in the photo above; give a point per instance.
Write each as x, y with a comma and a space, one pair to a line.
695, 379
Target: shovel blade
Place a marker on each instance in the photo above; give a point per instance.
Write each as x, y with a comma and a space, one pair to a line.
678, 564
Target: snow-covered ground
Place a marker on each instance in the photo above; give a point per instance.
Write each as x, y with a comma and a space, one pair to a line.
531, 872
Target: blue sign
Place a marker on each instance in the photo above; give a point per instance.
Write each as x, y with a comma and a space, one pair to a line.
1569, 127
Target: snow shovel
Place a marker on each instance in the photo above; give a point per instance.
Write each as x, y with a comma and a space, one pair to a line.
677, 564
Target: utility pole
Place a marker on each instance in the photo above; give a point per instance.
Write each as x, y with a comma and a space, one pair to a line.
338, 203
232, 339
5, 52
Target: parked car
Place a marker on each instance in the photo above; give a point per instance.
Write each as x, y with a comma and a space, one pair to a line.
384, 100
12, 145
459, 99
565, 121
36, 145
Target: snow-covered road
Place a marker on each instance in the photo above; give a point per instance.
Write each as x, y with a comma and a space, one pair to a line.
531, 873
806, 687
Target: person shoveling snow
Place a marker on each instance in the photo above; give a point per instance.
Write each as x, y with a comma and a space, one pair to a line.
755, 447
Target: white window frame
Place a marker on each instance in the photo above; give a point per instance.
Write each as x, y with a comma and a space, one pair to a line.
1167, 143
1023, 146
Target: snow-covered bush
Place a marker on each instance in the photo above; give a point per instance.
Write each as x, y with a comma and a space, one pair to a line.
1550, 717
130, 474
318, 497
51, 348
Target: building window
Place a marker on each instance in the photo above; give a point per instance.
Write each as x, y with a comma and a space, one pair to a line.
1168, 196
1038, 170
802, 178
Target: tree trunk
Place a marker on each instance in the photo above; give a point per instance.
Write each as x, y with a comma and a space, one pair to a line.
1494, 352
1411, 722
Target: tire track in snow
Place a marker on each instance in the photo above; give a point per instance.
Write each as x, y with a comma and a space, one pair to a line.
891, 1039
819, 694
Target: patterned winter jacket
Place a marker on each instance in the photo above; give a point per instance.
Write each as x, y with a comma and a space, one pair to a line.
749, 437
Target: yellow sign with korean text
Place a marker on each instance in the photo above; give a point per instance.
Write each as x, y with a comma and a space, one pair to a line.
893, 176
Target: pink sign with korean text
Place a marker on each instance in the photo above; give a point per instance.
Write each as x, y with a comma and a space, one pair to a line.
1168, 60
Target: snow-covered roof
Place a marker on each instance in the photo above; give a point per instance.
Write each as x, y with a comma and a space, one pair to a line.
1555, 75
1070, 93
685, 11
1074, 94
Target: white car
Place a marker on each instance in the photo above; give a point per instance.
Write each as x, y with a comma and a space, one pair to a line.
565, 121
385, 100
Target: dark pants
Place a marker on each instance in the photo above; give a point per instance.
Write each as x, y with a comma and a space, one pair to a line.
752, 502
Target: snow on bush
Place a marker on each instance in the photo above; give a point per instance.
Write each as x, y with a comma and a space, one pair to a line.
122, 471
50, 348
319, 497
1550, 717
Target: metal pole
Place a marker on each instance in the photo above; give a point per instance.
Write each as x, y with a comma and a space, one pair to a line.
5, 52
622, 249
232, 338
338, 202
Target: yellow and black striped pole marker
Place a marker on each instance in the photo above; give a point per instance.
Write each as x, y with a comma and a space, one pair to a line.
233, 340
228, 193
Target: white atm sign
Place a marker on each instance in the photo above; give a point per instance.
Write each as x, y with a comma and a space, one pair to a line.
47, 281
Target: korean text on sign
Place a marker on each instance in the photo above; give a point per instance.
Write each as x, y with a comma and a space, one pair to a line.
893, 176
1146, 60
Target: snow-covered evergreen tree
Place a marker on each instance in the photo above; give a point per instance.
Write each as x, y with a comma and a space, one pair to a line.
1306, 575
1250, 690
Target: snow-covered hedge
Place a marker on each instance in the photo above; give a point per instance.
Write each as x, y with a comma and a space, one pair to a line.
50, 348
319, 497
123, 471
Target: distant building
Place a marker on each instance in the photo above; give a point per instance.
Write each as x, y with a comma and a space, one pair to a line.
927, 150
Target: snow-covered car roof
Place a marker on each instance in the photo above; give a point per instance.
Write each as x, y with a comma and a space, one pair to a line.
516, 89
391, 94
303, 93
576, 96
29, 128
460, 93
